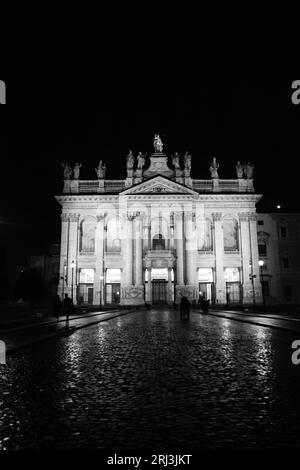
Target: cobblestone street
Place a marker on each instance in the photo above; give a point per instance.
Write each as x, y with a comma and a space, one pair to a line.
147, 380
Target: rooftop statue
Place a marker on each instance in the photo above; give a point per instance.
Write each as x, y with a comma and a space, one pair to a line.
76, 170
214, 166
67, 171
101, 169
187, 161
130, 160
158, 145
175, 161
239, 170
141, 159
249, 170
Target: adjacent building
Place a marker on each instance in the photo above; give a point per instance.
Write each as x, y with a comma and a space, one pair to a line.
278, 236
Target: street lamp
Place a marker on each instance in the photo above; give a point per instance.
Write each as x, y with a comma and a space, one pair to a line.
252, 277
72, 267
101, 279
64, 279
261, 264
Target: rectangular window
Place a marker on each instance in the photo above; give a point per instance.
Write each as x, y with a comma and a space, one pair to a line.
286, 263
262, 249
260, 222
283, 232
230, 233
293, 230
232, 274
205, 275
265, 288
113, 276
288, 292
86, 276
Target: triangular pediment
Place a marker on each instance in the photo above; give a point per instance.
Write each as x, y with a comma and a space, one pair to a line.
159, 185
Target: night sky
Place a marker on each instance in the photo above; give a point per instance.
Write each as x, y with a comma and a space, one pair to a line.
68, 102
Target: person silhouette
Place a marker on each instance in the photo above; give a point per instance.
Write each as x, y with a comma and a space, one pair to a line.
68, 304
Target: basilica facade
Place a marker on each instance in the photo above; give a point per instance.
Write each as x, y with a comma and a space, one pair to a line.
159, 234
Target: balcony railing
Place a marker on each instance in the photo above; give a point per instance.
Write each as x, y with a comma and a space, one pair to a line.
202, 186
224, 186
88, 186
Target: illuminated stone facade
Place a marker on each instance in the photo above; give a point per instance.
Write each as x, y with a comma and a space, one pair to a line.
159, 234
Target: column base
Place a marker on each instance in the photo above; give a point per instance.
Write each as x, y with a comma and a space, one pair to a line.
60, 290
221, 295
248, 294
189, 291
132, 295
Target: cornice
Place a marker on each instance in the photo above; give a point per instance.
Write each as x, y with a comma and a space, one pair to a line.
85, 198
198, 197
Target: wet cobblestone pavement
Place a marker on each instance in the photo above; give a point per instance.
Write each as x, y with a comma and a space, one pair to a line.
148, 381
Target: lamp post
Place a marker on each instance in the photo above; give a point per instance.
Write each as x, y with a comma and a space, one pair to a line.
252, 277
64, 279
101, 279
72, 267
261, 264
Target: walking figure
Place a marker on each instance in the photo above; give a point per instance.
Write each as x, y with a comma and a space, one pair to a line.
200, 301
68, 304
184, 308
57, 306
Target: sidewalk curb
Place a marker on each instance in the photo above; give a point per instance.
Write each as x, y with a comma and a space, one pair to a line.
52, 322
251, 322
62, 333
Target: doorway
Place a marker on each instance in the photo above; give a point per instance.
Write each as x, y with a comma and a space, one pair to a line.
159, 291
206, 291
112, 293
90, 295
233, 293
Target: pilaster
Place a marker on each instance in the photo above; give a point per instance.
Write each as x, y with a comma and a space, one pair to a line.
219, 252
99, 268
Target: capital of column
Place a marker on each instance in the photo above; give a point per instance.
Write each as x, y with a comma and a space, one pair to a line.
217, 216
64, 217
178, 215
253, 216
74, 217
243, 216
100, 217
188, 216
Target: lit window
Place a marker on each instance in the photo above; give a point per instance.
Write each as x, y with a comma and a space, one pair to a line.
113, 276
86, 276
232, 274
87, 236
205, 236
205, 275
230, 232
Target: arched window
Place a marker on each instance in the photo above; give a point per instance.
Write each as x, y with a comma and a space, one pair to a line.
262, 248
113, 235
263, 240
158, 242
116, 244
87, 236
230, 233
205, 235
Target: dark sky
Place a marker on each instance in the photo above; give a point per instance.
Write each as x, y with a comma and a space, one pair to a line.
74, 96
